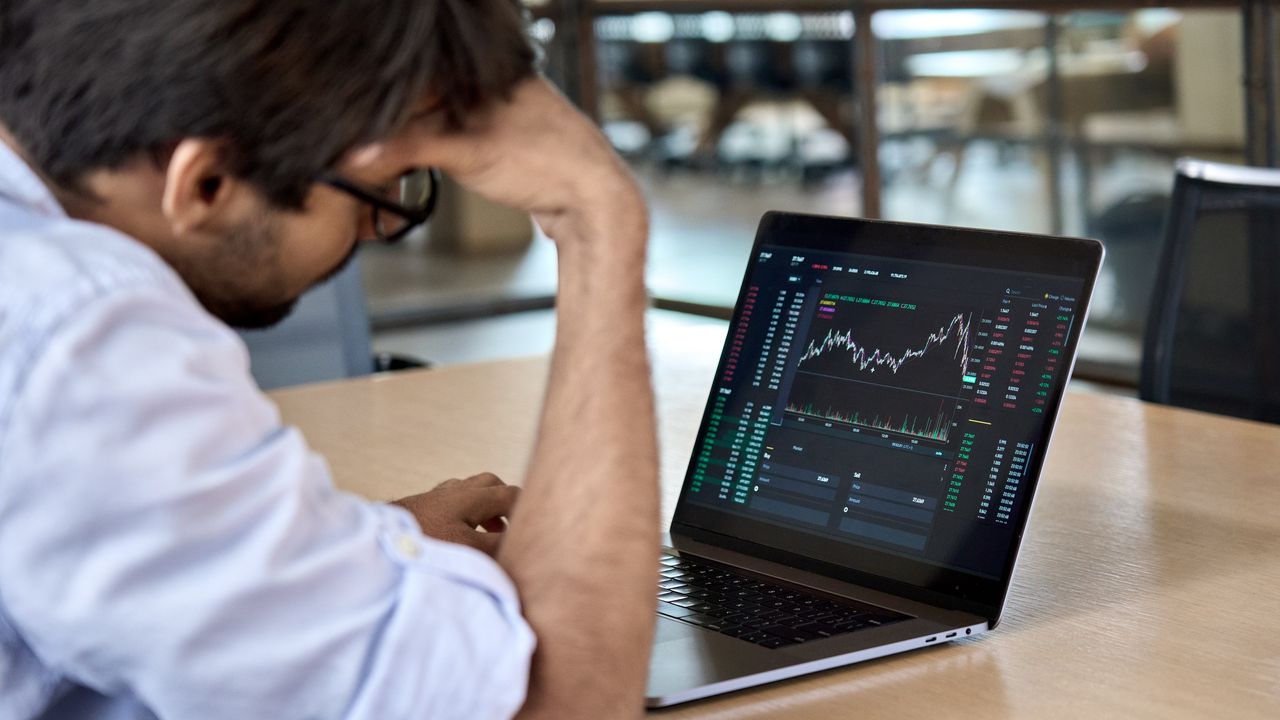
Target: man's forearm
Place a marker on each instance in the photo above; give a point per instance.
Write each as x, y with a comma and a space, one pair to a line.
582, 547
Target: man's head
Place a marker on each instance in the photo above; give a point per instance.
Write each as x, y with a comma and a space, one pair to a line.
200, 126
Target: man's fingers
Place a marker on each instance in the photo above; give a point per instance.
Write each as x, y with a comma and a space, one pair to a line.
485, 542
489, 502
482, 480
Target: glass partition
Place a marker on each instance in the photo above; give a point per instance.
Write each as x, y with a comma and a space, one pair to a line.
1138, 91
724, 116
961, 138
1021, 119
1061, 124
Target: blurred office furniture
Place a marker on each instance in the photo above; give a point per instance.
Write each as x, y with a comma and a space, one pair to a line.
1068, 37
799, 77
688, 97
824, 75
1213, 337
630, 68
1043, 96
1196, 61
326, 337
757, 70
657, 97
1072, 126
1131, 230
727, 91
466, 224
697, 58
1177, 104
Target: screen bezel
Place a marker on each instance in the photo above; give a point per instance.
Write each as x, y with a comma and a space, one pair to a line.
1074, 258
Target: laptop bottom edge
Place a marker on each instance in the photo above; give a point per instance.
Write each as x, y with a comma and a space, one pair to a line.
803, 667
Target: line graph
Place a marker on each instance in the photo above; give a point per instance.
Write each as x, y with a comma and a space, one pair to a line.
884, 365
864, 359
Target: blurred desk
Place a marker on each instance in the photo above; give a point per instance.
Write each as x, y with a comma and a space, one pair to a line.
1149, 584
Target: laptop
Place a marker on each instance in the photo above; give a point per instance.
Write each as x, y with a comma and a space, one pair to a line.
866, 464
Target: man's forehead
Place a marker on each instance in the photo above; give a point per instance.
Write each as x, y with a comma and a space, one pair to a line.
363, 157
372, 156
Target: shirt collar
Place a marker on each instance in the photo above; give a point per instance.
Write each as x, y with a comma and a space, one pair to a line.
21, 185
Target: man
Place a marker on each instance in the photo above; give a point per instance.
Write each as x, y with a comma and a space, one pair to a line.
167, 549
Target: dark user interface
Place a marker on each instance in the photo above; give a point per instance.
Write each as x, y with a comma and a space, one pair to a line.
890, 404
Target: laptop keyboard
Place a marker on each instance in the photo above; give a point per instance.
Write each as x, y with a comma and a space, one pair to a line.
771, 615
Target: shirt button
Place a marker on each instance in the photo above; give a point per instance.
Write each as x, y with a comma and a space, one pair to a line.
408, 546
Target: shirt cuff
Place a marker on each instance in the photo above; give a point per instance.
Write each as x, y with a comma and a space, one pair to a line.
453, 654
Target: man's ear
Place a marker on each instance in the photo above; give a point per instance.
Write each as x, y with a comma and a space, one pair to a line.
199, 193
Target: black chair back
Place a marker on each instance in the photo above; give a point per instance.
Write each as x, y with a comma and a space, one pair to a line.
1213, 333
824, 64
698, 58
627, 62
760, 66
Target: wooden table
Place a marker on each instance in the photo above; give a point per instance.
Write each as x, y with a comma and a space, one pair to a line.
1149, 584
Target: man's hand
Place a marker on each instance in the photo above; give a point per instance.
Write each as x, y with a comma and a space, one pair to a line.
534, 152
454, 509
592, 487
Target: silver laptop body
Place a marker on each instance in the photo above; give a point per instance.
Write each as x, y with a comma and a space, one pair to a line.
873, 438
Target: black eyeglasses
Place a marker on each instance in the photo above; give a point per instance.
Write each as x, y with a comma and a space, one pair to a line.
408, 205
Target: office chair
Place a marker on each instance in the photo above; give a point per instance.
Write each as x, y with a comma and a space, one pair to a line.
697, 58
753, 70
824, 70
1212, 340
630, 69
824, 64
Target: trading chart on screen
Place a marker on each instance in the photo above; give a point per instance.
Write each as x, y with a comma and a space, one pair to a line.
885, 403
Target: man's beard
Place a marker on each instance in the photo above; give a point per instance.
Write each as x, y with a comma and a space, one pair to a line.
245, 316
253, 249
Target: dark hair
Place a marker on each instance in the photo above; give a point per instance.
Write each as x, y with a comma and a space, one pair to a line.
289, 84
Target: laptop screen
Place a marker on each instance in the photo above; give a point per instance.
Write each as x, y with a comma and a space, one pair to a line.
885, 395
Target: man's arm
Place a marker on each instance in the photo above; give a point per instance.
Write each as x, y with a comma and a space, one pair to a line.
585, 535
165, 541
585, 532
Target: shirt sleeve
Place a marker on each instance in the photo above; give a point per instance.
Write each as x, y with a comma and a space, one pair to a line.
163, 537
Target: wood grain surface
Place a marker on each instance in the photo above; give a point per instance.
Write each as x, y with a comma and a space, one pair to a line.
1148, 586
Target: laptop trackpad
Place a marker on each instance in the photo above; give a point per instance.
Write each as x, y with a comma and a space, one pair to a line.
686, 657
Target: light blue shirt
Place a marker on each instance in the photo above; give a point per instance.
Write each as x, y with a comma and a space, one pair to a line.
169, 549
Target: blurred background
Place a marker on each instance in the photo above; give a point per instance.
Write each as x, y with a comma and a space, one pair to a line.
1050, 117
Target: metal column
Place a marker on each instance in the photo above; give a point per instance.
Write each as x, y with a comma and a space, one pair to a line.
1262, 99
